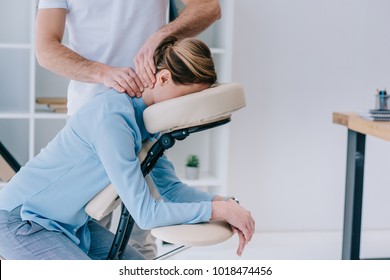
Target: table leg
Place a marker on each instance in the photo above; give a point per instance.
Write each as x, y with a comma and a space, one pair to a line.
353, 195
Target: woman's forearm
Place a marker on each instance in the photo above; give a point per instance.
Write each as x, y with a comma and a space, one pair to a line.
218, 211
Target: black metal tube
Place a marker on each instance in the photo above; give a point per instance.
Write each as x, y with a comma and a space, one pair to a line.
120, 234
353, 195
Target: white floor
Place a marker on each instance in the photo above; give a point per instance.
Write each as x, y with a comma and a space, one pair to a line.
290, 246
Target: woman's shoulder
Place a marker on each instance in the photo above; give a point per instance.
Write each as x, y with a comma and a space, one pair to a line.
101, 107
110, 102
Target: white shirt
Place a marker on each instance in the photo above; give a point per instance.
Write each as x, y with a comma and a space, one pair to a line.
107, 31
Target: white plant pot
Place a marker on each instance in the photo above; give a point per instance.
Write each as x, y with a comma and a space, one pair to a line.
192, 173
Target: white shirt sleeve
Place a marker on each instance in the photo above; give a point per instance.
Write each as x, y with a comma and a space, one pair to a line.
50, 4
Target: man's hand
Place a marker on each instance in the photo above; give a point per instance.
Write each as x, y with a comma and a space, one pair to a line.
144, 61
196, 17
123, 80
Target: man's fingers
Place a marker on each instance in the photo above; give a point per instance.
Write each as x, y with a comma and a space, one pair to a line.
123, 80
117, 87
145, 69
151, 77
135, 90
151, 70
139, 67
129, 83
146, 74
151, 63
136, 80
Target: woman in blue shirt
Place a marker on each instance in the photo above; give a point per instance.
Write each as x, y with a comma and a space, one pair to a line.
42, 212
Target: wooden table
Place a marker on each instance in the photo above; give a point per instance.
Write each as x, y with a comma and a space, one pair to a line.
358, 128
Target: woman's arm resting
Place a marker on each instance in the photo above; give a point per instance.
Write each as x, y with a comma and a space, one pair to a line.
238, 217
171, 188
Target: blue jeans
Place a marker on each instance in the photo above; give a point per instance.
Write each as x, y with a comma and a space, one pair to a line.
26, 240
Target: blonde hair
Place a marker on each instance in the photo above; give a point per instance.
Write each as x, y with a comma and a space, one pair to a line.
189, 61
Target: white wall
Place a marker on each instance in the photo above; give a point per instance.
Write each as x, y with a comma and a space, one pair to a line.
299, 61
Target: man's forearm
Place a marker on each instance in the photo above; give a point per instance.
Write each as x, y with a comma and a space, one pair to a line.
65, 62
195, 18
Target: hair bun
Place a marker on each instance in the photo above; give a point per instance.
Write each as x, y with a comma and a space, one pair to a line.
163, 47
168, 42
189, 60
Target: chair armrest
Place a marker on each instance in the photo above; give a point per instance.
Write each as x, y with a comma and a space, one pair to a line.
108, 200
103, 203
203, 234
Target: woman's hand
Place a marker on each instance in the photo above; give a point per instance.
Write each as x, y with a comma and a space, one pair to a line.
241, 240
238, 217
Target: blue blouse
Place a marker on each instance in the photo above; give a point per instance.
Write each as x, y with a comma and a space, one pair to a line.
99, 145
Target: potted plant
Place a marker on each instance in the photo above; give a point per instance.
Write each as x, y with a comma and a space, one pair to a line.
192, 167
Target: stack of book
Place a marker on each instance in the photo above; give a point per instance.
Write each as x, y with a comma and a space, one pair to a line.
55, 104
377, 115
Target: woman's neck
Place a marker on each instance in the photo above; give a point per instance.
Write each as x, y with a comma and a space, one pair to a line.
147, 96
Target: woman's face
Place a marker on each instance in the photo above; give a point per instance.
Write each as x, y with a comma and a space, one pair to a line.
165, 88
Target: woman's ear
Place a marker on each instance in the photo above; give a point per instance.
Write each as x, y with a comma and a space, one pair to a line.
164, 77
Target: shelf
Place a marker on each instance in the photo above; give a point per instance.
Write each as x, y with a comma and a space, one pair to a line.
15, 46
206, 182
49, 115
14, 80
16, 16
205, 179
14, 115
38, 115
